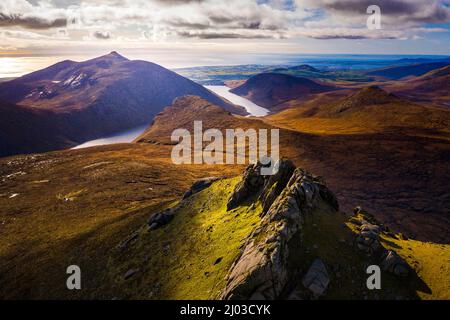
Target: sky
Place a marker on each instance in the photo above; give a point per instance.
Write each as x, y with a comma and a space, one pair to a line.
179, 33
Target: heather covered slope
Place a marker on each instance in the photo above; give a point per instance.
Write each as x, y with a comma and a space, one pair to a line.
25, 129
74, 206
94, 98
372, 135
271, 89
432, 87
185, 110
367, 110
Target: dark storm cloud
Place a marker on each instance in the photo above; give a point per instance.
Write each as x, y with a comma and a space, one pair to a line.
225, 35
188, 25
102, 35
348, 37
30, 22
412, 10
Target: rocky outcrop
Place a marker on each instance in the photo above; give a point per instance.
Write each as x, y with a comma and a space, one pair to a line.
275, 184
251, 183
261, 271
394, 264
268, 187
199, 185
317, 279
368, 240
160, 219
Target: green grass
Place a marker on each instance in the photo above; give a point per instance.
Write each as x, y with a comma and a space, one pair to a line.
329, 236
180, 260
431, 261
110, 191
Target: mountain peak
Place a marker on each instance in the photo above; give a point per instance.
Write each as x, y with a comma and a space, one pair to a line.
114, 55
376, 93
372, 95
272, 89
304, 67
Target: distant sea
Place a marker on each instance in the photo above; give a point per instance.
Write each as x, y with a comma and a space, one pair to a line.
361, 61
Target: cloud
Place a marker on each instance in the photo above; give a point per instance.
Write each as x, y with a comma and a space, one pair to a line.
228, 35
102, 35
177, 2
31, 22
351, 34
396, 12
16, 34
162, 20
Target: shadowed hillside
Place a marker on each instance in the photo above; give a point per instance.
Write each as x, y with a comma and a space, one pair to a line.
432, 87
398, 72
95, 98
271, 89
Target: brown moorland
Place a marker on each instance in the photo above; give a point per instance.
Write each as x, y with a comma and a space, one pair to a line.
271, 90
430, 88
75, 206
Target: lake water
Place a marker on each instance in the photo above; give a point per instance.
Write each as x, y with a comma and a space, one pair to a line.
130, 135
251, 107
121, 137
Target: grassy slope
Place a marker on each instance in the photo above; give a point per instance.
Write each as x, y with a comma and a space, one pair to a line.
428, 260
431, 262
329, 236
111, 190
180, 260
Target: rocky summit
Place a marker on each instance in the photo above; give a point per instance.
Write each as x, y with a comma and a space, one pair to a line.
262, 269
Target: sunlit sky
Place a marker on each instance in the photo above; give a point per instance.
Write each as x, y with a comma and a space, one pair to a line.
180, 33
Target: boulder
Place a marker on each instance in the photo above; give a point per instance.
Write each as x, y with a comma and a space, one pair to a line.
369, 227
317, 279
130, 273
394, 264
160, 219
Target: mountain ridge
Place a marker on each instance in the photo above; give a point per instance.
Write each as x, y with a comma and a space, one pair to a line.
96, 98
271, 89
399, 72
